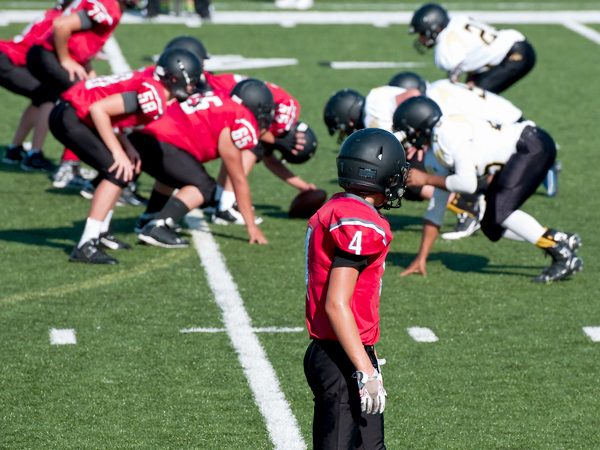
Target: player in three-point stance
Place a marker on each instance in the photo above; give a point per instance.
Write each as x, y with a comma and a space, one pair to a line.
346, 244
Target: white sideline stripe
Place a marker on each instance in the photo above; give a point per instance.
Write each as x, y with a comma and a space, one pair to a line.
584, 31
280, 421
593, 333
116, 60
62, 337
377, 18
256, 330
373, 65
420, 334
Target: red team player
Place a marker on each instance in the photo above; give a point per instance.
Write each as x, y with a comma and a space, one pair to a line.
346, 244
92, 119
62, 56
284, 134
173, 149
15, 77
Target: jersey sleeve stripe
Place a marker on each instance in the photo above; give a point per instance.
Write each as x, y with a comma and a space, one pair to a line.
362, 223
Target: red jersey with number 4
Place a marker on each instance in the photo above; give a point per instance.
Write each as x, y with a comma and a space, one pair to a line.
196, 124
351, 224
287, 108
85, 44
16, 49
149, 93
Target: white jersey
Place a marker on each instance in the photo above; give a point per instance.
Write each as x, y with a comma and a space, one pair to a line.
464, 149
469, 46
380, 105
458, 98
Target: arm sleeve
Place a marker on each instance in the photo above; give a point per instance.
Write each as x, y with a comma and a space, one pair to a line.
86, 22
345, 259
464, 179
437, 206
131, 102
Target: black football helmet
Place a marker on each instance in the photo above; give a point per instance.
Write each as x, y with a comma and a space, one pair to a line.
192, 44
63, 4
428, 20
409, 80
416, 117
309, 148
257, 97
344, 112
373, 160
138, 4
178, 69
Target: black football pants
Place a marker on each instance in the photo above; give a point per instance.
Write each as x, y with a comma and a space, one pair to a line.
518, 179
338, 421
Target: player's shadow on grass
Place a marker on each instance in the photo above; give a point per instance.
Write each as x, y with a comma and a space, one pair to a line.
56, 237
462, 262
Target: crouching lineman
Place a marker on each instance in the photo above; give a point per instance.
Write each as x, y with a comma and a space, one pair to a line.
296, 141
84, 121
462, 149
173, 149
15, 77
346, 245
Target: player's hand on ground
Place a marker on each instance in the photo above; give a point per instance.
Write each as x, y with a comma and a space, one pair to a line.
74, 69
415, 267
123, 167
416, 178
256, 235
371, 391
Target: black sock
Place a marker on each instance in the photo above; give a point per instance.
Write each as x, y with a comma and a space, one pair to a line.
175, 209
157, 202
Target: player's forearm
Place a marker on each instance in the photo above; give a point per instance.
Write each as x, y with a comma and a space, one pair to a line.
435, 181
430, 232
62, 32
103, 125
278, 169
243, 198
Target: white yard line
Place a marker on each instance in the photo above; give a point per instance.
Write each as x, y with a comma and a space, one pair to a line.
62, 336
377, 18
584, 31
421, 334
593, 333
116, 60
280, 421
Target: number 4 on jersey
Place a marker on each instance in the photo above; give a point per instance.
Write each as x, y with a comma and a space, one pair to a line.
356, 243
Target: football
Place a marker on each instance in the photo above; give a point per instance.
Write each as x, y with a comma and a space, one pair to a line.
306, 203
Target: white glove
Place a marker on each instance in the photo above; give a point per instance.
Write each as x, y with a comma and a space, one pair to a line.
371, 391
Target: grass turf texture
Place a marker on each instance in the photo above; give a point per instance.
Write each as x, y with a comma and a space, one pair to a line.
512, 368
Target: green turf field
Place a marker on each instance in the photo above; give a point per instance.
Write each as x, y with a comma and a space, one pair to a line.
512, 369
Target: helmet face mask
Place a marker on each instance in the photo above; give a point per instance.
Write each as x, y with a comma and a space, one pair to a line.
416, 118
179, 70
343, 113
373, 161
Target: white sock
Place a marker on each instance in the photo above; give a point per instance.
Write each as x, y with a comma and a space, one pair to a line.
524, 225
227, 200
91, 231
106, 222
512, 235
219, 193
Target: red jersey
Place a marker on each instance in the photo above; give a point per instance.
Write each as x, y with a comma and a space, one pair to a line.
16, 49
287, 109
195, 125
149, 92
353, 225
84, 44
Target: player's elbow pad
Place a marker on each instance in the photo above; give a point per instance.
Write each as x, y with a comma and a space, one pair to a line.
462, 185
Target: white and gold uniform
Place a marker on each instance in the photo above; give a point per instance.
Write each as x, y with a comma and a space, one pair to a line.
464, 149
458, 98
380, 105
466, 45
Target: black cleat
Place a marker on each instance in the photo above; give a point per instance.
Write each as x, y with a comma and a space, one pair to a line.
91, 253
158, 233
108, 240
565, 262
36, 161
145, 218
129, 196
13, 155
